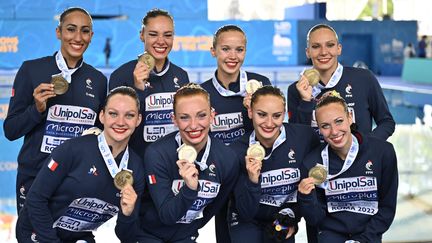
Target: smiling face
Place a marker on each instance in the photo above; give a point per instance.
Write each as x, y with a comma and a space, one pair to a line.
230, 52
193, 118
334, 123
267, 114
158, 37
75, 33
323, 49
120, 117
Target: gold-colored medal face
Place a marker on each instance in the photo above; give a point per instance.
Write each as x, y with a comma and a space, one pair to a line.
252, 86
187, 152
319, 173
147, 59
61, 85
256, 151
122, 178
92, 130
312, 76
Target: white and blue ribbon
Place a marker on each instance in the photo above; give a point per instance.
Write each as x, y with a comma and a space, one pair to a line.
109, 158
203, 163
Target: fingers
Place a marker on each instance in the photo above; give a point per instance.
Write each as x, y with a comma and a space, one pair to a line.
291, 231
304, 88
41, 94
141, 73
128, 199
306, 185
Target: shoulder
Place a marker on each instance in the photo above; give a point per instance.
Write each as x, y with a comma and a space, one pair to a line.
76, 146
207, 84
125, 68
164, 144
178, 69
93, 70
38, 62
298, 129
359, 73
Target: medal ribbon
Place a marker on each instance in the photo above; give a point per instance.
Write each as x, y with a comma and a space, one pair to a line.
225, 92
65, 71
316, 90
108, 157
203, 163
349, 160
280, 139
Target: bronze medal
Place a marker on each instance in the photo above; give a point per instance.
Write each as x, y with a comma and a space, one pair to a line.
187, 152
312, 76
147, 59
122, 178
256, 151
319, 173
252, 86
61, 85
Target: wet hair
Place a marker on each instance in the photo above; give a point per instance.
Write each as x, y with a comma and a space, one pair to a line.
70, 10
267, 90
317, 27
153, 14
331, 97
123, 90
190, 89
227, 28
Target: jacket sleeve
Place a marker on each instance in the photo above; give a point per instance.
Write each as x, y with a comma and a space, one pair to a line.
380, 111
171, 207
299, 111
46, 183
22, 116
380, 222
247, 195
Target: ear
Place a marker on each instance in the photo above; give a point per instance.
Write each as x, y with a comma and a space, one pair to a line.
139, 120
307, 52
173, 118
58, 32
102, 116
212, 115
141, 35
339, 52
213, 52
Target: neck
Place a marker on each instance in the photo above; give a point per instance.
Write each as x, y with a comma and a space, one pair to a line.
226, 79
343, 152
159, 64
267, 143
326, 75
117, 149
71, 62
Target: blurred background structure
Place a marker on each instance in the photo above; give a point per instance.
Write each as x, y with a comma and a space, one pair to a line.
373, 34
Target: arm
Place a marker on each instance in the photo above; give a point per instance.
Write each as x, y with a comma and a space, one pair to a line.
23, 114
299, 110
380, 111
380, 222
170, 207
45, 185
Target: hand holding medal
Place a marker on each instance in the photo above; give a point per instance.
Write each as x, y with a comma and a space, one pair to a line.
187, 152
254, 157
188, 170
147, 59
256, 151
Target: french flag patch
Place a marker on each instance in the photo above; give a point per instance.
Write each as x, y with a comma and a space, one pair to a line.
152, 179
52, 165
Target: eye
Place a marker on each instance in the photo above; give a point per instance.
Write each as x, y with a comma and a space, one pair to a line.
184, 117
225, 49
261, 114
112, 114
71, 29
152, 34
331, 45
324, 126
315, 46
202, 115
277, 115
239, 50
130, 115
339, 121
86, 30
168, 35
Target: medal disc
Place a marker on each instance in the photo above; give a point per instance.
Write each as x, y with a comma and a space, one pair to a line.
319, 173
92, 130
256, 151
312, 76
61, 85
147, 59
122, 178
252, 86
187, 152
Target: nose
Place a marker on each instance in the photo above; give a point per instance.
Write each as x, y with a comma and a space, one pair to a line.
269, 122
78, 36
193, 123
323, 51
120, 121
